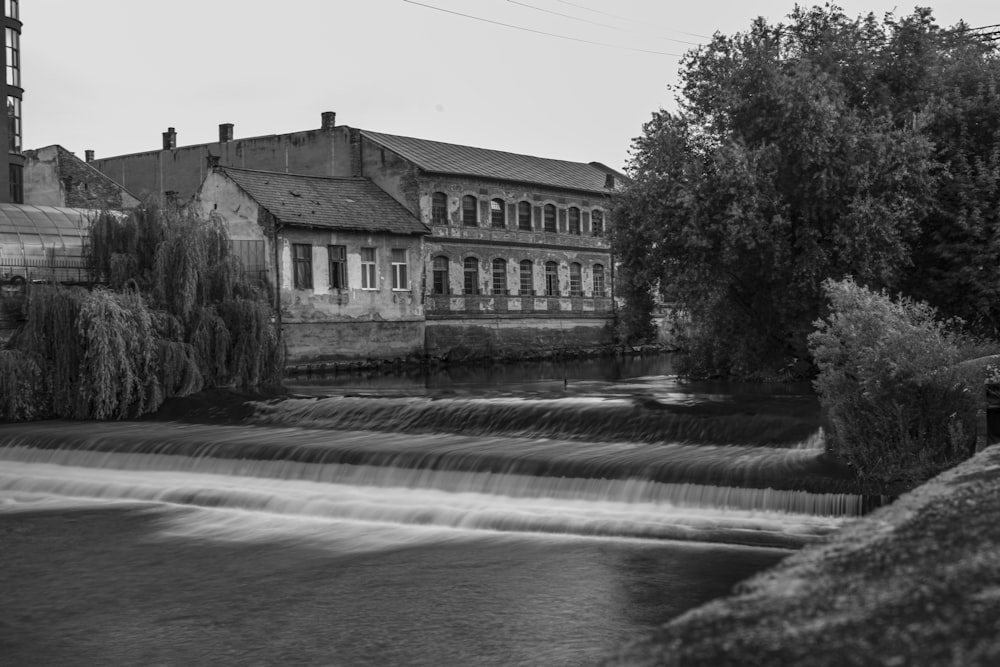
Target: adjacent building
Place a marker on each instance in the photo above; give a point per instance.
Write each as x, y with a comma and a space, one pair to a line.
12, 161
509, 255
344, 259
53, 176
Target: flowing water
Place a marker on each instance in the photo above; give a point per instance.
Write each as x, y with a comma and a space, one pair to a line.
542, 516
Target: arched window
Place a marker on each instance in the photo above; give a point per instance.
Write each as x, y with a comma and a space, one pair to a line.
498, 214
470, 211
551, 279
471, 275
524, 216
597, 222
574, 220
499, 276
549, 217
439, 209
575, 279
598, 280
527, 275
440, 282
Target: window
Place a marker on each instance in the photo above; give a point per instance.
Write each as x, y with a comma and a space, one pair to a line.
11, 7
439, 209
499, 276
575, 279
368, 272
498, 217
549, 217
14, 123
469, 211
471, 275
338, 266
13, 58
598, 280
597, 223
16, 179
524, 216
440, 283
399, 281
527, 274
574, 220
302, 265
551, 279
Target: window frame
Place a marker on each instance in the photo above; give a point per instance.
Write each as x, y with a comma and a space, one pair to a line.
470, 276
575, 279
302, 266
440, 279
400, 272
526, 277
369, 269
599, 280
573, 221
337, 258
439, 209
468, 221
554, 226
524, 221
552, 279
498, 271
498, 213
597, 222
13, 63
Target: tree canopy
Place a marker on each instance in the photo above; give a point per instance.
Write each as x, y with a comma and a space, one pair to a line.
823, 147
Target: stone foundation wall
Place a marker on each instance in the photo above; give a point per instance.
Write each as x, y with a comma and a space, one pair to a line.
520, 337
327, 342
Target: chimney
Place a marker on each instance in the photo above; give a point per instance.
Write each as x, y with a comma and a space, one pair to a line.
212, 161
609, 182
170, 139
88, 155
329, 120
225, 132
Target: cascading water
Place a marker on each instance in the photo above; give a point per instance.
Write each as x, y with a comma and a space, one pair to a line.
530, 475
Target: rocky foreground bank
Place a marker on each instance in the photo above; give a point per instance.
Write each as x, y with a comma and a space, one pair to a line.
913, 583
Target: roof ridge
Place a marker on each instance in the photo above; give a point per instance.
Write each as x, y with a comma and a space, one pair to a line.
294, 175
476, 148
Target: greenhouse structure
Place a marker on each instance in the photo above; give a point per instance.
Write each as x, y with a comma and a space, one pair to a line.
43, 244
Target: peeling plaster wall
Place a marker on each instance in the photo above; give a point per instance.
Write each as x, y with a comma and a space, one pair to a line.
324, 323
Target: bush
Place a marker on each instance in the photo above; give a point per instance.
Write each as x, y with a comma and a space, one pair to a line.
897, 409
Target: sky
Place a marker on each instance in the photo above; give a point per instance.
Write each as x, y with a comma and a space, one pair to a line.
565, 79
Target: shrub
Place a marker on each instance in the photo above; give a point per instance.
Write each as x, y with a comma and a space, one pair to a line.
897, 409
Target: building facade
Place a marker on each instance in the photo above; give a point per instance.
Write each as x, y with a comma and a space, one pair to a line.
12, 163
53, 176
516, 263
345, 261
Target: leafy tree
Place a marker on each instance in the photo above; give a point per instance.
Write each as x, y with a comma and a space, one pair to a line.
898, 406
799, 152
176, 314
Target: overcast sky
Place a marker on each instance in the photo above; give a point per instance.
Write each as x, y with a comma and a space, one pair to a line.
112, 75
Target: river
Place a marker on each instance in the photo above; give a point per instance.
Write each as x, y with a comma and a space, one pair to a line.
531, 515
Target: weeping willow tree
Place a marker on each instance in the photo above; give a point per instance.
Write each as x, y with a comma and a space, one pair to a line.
176, 314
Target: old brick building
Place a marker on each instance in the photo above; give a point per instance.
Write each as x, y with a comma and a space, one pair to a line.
516, 262
53, 176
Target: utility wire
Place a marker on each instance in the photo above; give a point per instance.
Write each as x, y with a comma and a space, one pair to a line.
605, 25
625, 18
542, 32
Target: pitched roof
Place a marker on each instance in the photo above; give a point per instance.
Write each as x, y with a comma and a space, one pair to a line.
354, 204
441, 158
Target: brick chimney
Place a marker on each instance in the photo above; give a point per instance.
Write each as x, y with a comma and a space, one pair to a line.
329, 120
225, 132
170, 139
88, 155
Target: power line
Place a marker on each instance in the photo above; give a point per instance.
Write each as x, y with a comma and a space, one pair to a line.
605, 25
625, 18
542, 32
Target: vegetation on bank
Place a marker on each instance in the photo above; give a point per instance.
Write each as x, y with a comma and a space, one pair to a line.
175, 313
898, 406
817, 148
